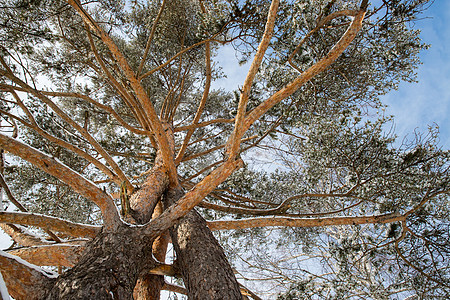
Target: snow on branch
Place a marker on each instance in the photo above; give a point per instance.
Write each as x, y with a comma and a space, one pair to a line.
47, 222
65, 255
24, 280
303, 222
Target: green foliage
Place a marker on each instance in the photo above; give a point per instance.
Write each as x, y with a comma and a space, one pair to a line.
325, 151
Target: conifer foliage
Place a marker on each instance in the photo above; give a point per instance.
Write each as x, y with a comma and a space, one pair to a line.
116, 146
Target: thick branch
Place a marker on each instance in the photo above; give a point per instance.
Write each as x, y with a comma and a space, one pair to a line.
320, 25
201, 105
142, 96
55, 168
129, 100
51, 223
69, 120
192, 198
24, 280
239, 130
33, 125
22, 236
303, 222
317, 68
65, 255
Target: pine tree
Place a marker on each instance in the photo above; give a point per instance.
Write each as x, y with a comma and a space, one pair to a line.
115, 146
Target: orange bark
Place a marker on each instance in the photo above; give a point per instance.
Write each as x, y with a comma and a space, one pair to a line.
303, 222
65, 255
81, 185
23, 280
51, 223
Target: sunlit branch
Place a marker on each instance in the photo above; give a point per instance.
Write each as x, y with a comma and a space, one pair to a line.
135, 108
317, 68
20, 206
63, 143
303, 222
192, 198
69, 120
235, 139
57, 169
150, 38
23, 279
22, 236
64, 255
50, 223
145, 101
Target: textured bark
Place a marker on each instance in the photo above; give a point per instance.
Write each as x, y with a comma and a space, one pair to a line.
143, 202
108, 269
200, 258
65, 255
49, 223
23, 280
149, 286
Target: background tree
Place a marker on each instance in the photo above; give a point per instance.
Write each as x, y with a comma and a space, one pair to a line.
109, 104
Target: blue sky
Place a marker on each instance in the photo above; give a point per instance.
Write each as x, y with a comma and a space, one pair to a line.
417, 105
414, 105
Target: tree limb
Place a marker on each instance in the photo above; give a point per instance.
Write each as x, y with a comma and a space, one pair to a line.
239, 129
191, 198
142, 96
303, 222
24, 280
22, 236
52, 223
64, 255
9, 74
57, 169
317, 68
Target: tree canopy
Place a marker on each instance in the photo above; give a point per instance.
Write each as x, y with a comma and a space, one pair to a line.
116, 144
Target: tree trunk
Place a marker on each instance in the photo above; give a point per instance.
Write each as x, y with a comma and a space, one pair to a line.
148, 287
200, 258
108, 269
